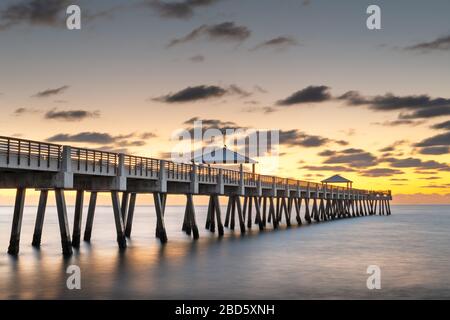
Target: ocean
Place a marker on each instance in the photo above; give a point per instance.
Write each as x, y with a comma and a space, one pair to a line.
327, 260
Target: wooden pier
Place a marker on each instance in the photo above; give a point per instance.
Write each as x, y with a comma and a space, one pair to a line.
44, 166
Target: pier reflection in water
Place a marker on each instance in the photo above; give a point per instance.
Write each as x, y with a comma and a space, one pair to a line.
322, 260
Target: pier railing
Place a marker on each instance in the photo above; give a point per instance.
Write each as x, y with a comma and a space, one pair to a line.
20, 153
141, 167
94, 161
24, 154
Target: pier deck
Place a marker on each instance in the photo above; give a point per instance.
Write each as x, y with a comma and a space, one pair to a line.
44, 166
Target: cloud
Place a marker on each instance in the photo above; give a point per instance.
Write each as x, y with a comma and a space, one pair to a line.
443, 125
234, 89
260, 89
295, 137
400, 122
380, 172
212, 123
430, 112
202, 92
221, 125
328, 168
88, 137
435, 150
33, 12
51, 92
416, 163
439, 44
307, 95
197, 58
265, 110
225, 31
437, 140
393, 146
431, 178
327, 153
179, 10
71, 115
419, 106
390, 101
148, 135
353, 157
279, 43
107, 140
437, 186
21, 111
190, 94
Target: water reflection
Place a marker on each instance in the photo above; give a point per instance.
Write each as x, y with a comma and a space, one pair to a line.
326, 260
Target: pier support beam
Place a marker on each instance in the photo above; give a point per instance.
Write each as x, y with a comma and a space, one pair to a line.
218, 215
37, 235
272, 214
227, 216
77, 219
124, 206
190, 223
120, 230
90, 216
159, 208
298, 206
63, 222
264, 211
307, 215
209, 225
14, 242
249, 218
130, 215
239, 211
258, 218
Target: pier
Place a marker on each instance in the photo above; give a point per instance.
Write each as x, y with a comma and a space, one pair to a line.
253, 199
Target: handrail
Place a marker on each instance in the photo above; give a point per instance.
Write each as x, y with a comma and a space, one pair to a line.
29, 153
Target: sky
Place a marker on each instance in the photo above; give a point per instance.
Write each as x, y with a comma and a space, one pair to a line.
372, 105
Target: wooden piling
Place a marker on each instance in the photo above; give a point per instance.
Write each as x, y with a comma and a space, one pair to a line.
124, 206
233, 212
63, 222
239, 212
258, 220
244, 208
78, 217
272, 213
286, 213
249, 218
14, 242
120, 229
307, 214
218, 215
298, 206
90, 216
130, 215
209, 213
314, 212
191, 215
264, 213
159, 208
227, 217
37, 235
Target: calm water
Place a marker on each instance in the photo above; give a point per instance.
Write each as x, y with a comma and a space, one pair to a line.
326, 260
